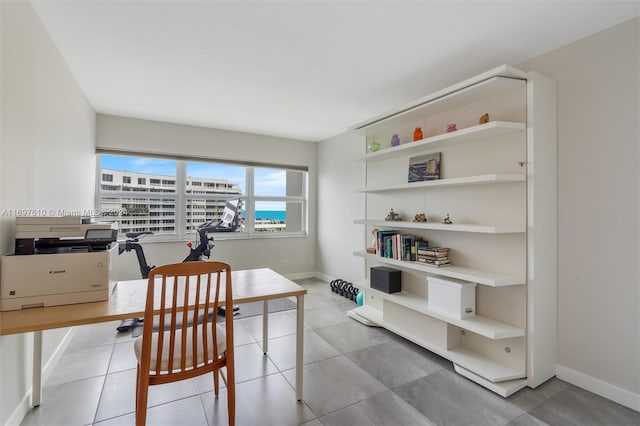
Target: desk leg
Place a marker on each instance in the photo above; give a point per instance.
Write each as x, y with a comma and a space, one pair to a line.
299, 345
265, 327
36, 390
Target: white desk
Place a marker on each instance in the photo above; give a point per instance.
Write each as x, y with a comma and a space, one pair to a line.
128, 301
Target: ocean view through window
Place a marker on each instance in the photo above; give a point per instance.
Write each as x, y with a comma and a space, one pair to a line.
172, 197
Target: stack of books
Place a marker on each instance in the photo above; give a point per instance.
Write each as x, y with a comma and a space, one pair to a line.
434, 256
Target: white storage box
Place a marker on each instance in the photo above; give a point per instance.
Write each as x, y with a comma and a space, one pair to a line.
452, 297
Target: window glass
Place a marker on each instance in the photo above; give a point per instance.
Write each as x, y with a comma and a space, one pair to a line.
201, 210
214, 184
139, 212
270, 182
174, 197
212, 178
271, 216
160, 173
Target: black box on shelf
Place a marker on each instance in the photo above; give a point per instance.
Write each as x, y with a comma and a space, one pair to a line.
387, 280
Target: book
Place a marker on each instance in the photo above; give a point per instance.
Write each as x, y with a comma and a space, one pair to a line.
432, 259
434, 262
421, 245
432, 254
381, 237
424, 167
437, 249
409, 244
434, 251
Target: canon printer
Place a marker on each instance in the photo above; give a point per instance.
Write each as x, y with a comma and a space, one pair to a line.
58, 261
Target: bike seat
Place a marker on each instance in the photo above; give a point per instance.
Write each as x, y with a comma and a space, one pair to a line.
137, 234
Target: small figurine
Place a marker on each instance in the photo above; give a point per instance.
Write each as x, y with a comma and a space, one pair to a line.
393, 216
451, 128
484, 118
420, 217
395, 140
417, 134
372, 244
447, 220
374, 146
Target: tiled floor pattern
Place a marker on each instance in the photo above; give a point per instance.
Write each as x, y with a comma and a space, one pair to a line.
353, 375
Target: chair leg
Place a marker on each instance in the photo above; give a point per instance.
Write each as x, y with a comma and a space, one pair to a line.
216, 382
142, 393
231, 393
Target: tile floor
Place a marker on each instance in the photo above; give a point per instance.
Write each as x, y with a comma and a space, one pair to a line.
353, 375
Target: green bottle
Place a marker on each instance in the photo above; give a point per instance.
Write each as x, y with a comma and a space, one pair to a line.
374, 146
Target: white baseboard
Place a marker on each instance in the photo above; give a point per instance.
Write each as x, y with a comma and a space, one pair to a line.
324, 277
604, 389
304, 275
24, 405
300, 275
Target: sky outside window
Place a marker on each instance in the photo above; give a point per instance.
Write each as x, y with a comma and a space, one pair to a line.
270, 182
270, 206
234, 174
152, 166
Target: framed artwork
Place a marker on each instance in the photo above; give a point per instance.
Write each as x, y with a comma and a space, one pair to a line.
424, 167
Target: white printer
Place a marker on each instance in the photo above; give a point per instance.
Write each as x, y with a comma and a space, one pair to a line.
58, 261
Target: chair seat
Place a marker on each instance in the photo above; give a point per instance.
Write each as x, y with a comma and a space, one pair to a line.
221, 337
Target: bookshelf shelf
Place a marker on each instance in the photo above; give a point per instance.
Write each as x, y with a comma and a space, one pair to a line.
482, 229
470, 360
451, 182
480, 325
480, 131
467, 274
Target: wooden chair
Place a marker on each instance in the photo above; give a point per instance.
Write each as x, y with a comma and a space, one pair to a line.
183, 346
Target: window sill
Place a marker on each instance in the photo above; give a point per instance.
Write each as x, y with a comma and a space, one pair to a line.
222, 236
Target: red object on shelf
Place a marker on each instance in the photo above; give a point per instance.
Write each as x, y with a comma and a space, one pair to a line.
417, 134
189, 244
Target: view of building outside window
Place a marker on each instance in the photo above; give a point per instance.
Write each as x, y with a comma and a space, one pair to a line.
134, 188
173, 197
208, 186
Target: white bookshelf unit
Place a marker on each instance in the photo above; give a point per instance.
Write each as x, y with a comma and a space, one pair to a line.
498, 185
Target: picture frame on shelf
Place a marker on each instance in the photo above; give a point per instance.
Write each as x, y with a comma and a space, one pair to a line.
424, 167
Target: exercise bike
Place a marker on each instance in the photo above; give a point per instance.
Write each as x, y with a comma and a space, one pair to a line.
201, 252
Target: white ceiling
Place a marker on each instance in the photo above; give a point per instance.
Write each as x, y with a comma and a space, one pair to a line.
305, 70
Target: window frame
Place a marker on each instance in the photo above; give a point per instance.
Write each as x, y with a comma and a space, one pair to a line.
180, 197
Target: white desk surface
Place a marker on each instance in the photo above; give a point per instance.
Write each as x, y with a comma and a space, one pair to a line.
128, 301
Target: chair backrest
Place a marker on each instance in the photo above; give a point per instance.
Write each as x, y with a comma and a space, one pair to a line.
184, 297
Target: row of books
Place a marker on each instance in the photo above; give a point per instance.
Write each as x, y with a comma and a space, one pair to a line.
434, 256
395, 245
408, 247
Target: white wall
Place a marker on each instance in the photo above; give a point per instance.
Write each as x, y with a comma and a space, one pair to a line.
289, 256
46, 162
598, 209
340, 174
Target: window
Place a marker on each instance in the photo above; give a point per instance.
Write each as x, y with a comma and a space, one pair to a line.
126, 179
279, 200
107, 177
181, 195
136, 211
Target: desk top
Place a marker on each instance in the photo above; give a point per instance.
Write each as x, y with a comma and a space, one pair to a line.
128, 301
